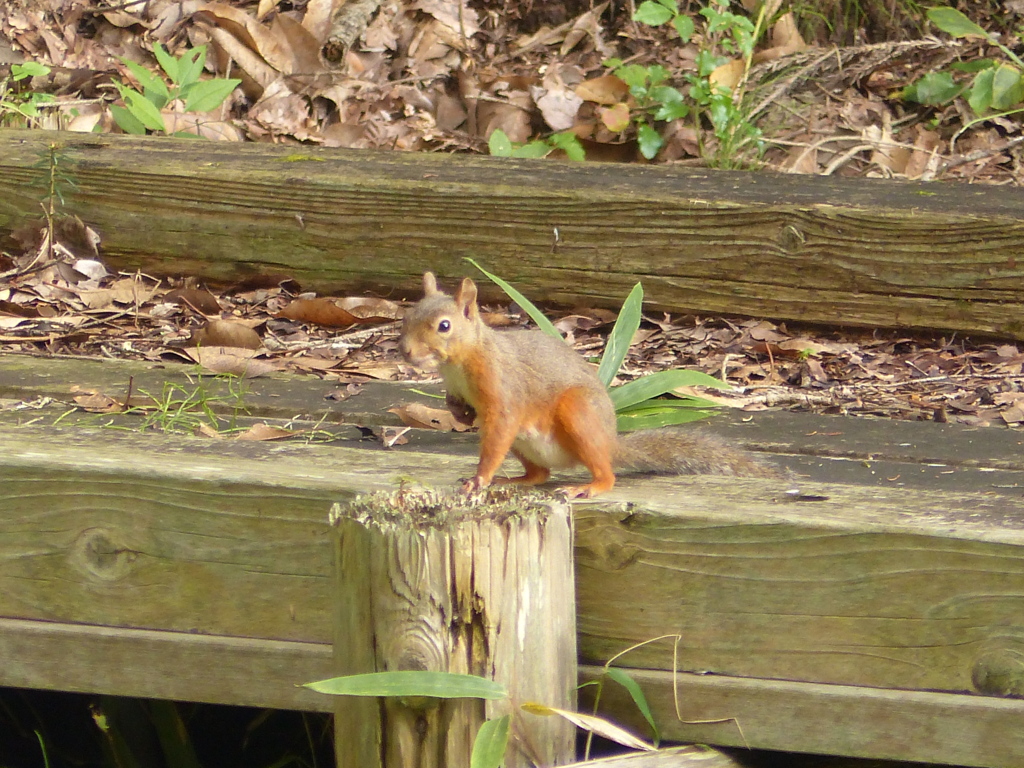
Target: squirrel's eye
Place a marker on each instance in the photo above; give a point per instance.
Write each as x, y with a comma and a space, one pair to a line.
444, 326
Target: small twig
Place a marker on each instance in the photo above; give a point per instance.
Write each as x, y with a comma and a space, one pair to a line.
980, 154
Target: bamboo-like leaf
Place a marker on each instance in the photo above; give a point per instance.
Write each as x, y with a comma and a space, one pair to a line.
535, 314
621, 337
594, 724
178, 749
637, 694
647, 387
490, 743
443, 685
661, 413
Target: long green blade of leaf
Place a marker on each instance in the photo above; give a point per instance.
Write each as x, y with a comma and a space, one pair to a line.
659, 383
665, 414
535, 314
637, 694
178, 749
443, 685
490, 743
622, 335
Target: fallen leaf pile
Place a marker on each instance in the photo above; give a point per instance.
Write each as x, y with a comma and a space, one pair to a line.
72, 306
445, 74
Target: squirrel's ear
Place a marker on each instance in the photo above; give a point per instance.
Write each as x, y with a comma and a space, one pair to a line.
465, 297
429, 284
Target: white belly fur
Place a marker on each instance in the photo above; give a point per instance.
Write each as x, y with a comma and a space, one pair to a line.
543, 450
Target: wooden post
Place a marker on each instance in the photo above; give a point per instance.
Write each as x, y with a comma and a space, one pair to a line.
478, 585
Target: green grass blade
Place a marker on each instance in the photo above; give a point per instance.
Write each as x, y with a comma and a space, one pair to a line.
174, 739
490, 743
535, 314
621, 336
443, 685
658, 384
631, 685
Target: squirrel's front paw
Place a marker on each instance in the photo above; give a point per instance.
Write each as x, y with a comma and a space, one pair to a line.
475, 483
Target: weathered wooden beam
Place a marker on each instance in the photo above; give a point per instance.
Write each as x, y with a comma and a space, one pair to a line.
436, 582
851, 585
823, 250
866, 587
920, 726
213, 669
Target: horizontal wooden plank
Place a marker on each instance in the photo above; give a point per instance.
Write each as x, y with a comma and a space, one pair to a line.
854, 251
166, 665
921, 726
179, 533
863, 586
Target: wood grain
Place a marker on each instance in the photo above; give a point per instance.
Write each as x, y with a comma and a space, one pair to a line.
826, 719
860, 587
167, 665
107, 534
426, 583
835, 251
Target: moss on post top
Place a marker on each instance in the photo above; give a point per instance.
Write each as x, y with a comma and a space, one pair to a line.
424, 508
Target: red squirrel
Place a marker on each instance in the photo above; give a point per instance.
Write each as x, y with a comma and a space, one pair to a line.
535, 396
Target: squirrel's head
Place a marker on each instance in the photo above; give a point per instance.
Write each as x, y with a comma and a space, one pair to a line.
434, 330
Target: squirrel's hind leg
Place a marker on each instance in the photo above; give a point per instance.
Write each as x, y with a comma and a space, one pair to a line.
581, 431
533, 474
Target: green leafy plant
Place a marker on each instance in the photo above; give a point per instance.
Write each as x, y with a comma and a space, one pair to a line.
997, 87
726, 35
654, 101
492, 738
638, 403
22, 107
141, 110
499, 145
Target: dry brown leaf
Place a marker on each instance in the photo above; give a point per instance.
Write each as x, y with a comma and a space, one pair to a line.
201, 301
616, 119
204, 125
424, 417
728, 75
93, 401
207, 430
131, 290
226, 333
558, 107
263, 431
598, 725
607, 90
392, 436
320, 311
371, 310
234, 360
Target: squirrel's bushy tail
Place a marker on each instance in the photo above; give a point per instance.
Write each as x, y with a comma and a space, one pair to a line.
671, 451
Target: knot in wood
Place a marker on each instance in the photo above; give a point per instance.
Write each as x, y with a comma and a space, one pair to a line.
101, 553
999, 672
790, 238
